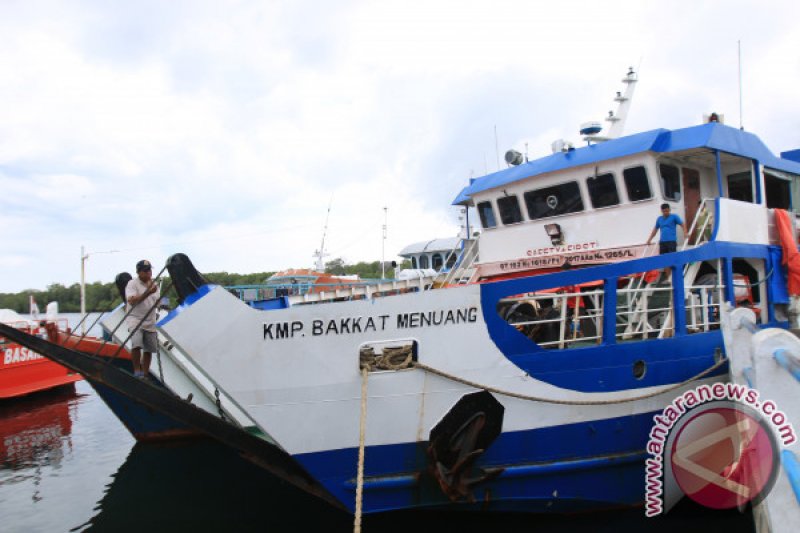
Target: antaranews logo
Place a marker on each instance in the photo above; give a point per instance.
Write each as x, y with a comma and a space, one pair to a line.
717, 444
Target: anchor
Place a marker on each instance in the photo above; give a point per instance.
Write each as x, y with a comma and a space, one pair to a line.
457, 442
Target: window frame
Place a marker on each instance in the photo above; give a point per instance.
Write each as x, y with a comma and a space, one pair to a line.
679, 198
589, 187
513, 201
451, 259
529, 194
646, 180
481, 214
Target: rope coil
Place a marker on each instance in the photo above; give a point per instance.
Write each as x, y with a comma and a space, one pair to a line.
390, 358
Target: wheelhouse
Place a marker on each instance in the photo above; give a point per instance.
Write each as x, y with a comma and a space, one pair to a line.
597, 204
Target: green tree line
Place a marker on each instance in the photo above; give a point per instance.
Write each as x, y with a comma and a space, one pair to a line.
104, 296
366, 270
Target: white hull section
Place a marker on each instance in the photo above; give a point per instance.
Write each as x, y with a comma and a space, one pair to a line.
178, 374
296, 371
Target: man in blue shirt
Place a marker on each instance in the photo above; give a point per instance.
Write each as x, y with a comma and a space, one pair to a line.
666, 223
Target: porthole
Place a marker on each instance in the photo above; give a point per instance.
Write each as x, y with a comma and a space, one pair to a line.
639, 369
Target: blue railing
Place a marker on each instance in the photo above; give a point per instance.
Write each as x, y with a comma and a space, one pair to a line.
792, 467
787, 362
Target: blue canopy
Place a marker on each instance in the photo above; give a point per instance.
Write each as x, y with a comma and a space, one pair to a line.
713, 136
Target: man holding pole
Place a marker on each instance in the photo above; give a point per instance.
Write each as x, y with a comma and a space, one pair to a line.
141, 294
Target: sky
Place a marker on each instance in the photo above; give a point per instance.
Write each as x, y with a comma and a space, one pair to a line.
236, 132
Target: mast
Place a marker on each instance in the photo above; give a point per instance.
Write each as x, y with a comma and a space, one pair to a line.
319, 265
624, 104
383, 243
590, 130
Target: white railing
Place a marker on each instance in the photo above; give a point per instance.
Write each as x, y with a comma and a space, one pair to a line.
703, 222
641, 313
364, 291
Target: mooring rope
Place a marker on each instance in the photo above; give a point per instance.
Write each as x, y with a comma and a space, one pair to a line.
520, 396
362, 429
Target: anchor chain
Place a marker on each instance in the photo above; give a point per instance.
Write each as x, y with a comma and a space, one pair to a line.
219, 404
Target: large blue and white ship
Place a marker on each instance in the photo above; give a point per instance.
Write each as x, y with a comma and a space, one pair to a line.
526, 377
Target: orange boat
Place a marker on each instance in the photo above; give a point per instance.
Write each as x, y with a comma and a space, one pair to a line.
89, 345
23, 371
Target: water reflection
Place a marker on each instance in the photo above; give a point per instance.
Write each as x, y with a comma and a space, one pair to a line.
67, 464
35, 433
204, 485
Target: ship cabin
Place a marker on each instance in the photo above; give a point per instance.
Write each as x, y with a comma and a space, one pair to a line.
436, 254
597, 204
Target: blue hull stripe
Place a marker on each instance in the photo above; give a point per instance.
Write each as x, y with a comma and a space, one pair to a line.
609, 366
598, 464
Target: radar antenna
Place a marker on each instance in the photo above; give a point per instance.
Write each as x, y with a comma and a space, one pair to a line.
590, 130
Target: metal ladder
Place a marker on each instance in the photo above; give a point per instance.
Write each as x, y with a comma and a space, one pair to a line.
638, 322
464, 271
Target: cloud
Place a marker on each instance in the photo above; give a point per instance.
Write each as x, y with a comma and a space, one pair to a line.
224, 129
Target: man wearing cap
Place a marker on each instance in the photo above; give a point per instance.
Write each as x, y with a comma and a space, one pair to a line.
142, 294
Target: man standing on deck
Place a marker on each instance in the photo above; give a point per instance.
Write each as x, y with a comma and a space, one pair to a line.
666, 223
141, 294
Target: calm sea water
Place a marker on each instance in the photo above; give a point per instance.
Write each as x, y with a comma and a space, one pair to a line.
67, 464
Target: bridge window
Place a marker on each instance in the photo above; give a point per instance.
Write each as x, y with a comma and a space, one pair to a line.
486, 213
778, 191
510, 212
603, 190
423, 261
556, 200
740, 187
413, 262
636, 183
437, 261
451, 260
670, 182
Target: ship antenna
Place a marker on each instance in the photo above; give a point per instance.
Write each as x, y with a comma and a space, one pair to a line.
320, 254
623, 105
496, 147
741, 120
383, 242
591, 130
